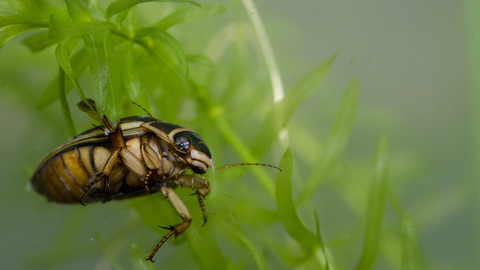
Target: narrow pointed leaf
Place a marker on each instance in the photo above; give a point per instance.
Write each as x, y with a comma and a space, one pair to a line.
61, 28
62, 55
39, 41
77, 12
106, 251
137, 256
129, 22
201, 60
78, 64
121, 5
376, 203
14, 30
309, 242
336, 141
130, 78
25, 17
200, 239
190, 13
234, 232
281, 112
6, 9
322, 241
166, 38
34, 12
105, 75
410, 252
64, 103
96, 10
44, 6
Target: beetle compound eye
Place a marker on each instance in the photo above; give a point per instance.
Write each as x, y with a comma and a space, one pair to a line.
182, 143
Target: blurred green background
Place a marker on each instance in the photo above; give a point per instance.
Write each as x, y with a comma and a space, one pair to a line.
416, 67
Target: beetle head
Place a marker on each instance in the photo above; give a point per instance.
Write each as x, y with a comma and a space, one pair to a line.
193, 150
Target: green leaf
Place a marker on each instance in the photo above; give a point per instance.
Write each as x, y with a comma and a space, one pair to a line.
201, 60
235, 232
320, 238
410, 252
336, 141
64, 103
77, 12
104, 68
62, 55
61, 28
166, 38
96, 9
11, 31
201, 239
281, 112
78, 63
190, 13
308, 241
106, 251
41, 6
25, 17
376, 203
129, 22
39, 41
121, 5
6, 9
137, 256
130, 78
34, 12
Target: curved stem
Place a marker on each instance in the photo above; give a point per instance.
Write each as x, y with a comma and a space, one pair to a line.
275, 78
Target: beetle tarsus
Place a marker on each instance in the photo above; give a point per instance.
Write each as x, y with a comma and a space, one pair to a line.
164, 239
200, 198
81, 199
99, 177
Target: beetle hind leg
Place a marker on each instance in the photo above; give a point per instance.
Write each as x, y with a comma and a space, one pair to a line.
181, 210
103, 175
100, 177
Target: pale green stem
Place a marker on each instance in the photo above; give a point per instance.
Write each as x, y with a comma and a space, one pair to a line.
274, 72
267, 51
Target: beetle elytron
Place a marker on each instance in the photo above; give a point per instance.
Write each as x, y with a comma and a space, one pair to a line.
141, 155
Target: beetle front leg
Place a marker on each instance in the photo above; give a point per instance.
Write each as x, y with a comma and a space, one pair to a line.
202, 186
181, 210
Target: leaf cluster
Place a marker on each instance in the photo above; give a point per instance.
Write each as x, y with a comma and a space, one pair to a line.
125, 62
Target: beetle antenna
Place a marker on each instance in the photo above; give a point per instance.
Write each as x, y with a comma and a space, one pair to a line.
154, 120
247, 164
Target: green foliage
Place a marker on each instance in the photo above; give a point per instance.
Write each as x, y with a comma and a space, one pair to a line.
376, 203
111, 54
309, 242
138, 261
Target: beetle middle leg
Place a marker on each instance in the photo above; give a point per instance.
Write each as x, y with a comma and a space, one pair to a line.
181, 210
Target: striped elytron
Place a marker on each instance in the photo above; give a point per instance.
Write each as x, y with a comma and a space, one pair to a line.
142, 155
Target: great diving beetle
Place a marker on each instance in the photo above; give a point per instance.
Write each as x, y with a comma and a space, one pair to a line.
141, 155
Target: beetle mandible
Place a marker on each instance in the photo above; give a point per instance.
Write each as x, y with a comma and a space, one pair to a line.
141, 155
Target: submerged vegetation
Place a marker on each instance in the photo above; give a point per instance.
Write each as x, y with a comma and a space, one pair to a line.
220, 87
